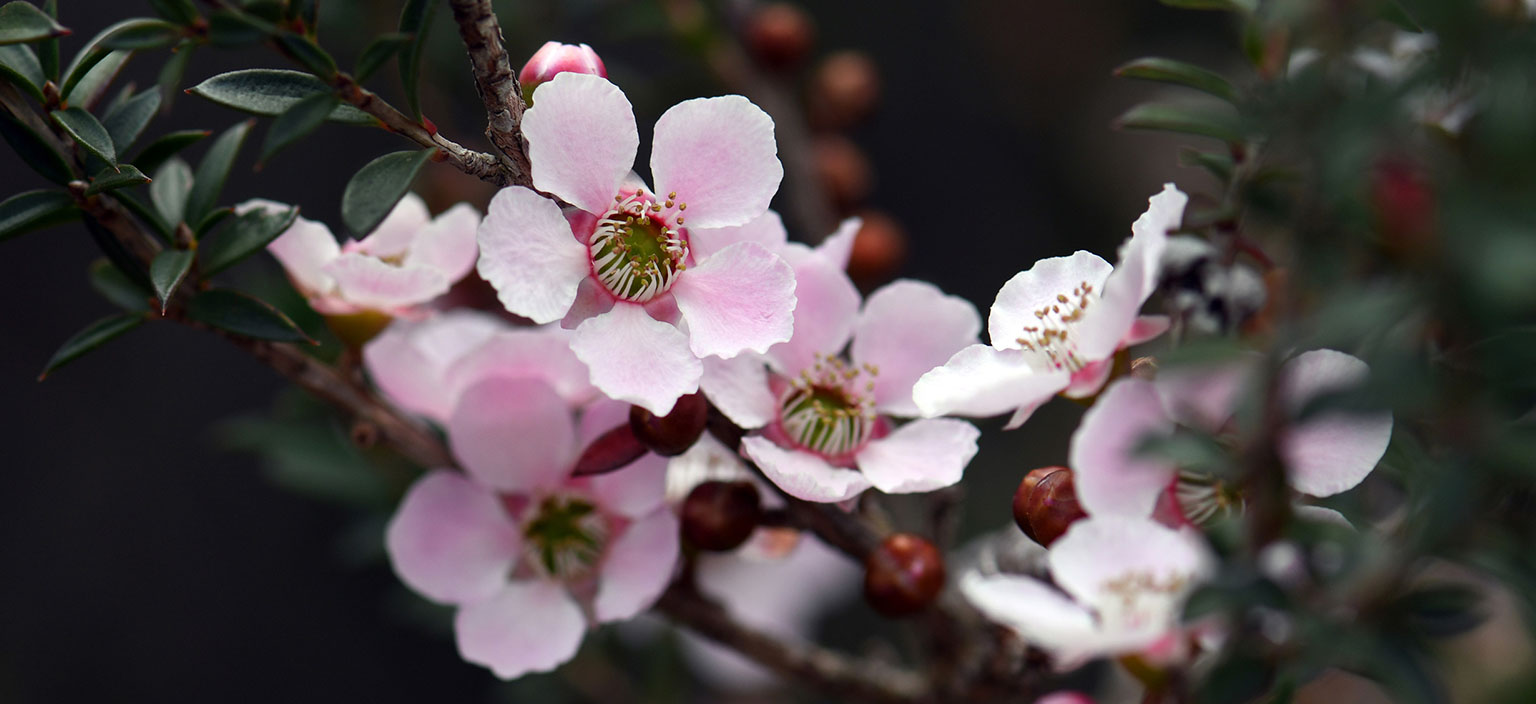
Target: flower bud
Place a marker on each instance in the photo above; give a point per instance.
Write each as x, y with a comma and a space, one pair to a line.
672, 434
1025, 492
611, 451
903, 575
779, 35
878, 251
843, 90
554, 58
721, 515
1046, 504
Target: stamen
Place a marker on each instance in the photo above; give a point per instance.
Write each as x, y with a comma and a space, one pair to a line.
637, 254
825, 411
565, 537
1049, 338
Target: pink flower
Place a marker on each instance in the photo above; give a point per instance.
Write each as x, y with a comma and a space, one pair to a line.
409, 259
631, 278
825, 419
1122, 584
555, 58
1056, 328
1325, 453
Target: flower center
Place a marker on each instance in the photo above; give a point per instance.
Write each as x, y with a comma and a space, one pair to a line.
1204, 498
1141, 599
1048, 338
565, 536
638, 247
826, 410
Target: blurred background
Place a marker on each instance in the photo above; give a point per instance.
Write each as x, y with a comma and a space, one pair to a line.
147, 558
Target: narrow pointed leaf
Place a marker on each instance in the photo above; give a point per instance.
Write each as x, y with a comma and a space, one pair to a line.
145, 213
243, 315
110, 179
178, 11
229, 28
245, 235
143, 34
374, 189
211, 220
118, 100
116, 253
20, 67
1183, 119
1219, 165
158, 151
308, 54
35, 151
169, 190
23, 22
130, 31
87, 132
415, 20
48, 49
1178, 72
166, 272
89, 89
212, 172
118, 289
377, 53
270, 92
94, 335
296, 122
35, 210
171, 73
127, 121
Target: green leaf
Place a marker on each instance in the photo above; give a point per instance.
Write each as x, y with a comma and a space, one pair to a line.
143, 34
48, 49
1241, 6
1220, 165
145, 213
33, 150
166, 147
35, 210
118, 289
94, 82
243, 315
166, 272
1178, 72
129, 30
171, 73
377, 52
94, 335
116, 252
87, 132
271, 92
296, 122
127, 121
308, 54
121, 177
375, 188
23, 22
212, 219
415, 20
173, 181
246, 234
20, 67
178, 11
231, 28
1183, 119
213, 170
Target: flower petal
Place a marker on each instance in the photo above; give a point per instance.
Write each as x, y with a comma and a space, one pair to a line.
1135, 276
634, 358
304, 249
409, 361
837, 248
1204, 396
1029, 291
1109, 478
638, 567
1330, 451
582, 140
371, 283
802, 474
1146, 328
530, 626
1088, 380
981, 381
719, 156
542, 353
739, 388
514, 435
1097, 551
743, 298
448, 243
395, 233
451, 540
826, 306
708, 460
1040, 614
527, 252
922, 455
906, 329
766, 229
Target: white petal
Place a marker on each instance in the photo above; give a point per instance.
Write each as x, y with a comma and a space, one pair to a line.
802, 474
1110, 479
922, 455
906, 329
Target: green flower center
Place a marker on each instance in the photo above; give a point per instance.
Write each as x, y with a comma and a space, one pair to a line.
638, 249
565, 536
826, 411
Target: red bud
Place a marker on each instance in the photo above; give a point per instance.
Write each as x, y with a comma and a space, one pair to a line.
903, 575
721, 515
672, 434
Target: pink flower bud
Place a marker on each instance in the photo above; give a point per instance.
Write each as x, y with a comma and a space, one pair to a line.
553, 58
1065, 697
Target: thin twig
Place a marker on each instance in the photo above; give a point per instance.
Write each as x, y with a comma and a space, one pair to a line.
496, 82
481, 165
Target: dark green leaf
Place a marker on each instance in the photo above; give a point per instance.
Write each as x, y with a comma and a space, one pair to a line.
211, 220
173, 181
232, 28
94, 335
116, 252
127, 121
100, 46
120, 290
171, 73
94, 82
166, 272
243, 315
1243, 6
297, 121
118, 100
212, 172
245, 235
308, 54
377, 52
415, 20
375, 188
123, 176
1220, 165
1184, 74
87, 132
143, 34
1443, 610
145, 213
20, 67
1236, 679
178, 11
166, 147
35, 210
1183, 119
48, 49
23, 22
34, 150
270, 92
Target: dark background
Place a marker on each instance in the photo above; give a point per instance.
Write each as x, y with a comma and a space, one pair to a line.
140, 561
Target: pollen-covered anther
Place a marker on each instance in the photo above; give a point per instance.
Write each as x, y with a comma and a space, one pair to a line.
827, 409
1049, 337
637, 249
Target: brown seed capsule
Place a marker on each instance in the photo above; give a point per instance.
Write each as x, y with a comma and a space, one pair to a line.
780, 35
878, 250
1052, 507
672, 434
843, 170
1022, 497
843, 90
611, 451
721, 515
903, 575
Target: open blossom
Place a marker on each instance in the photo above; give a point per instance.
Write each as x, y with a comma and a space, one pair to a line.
632, 276
1122, 583
826, 432
1056, 327
1325, 452
409, 259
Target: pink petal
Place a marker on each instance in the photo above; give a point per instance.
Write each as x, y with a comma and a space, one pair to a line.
514, 435
802, 474
1146, 328
739, 388
1331, 451
448, 243
719, 156
582, 140
592, 300
393, 236
451, 540
766, 229
1204, 396
1040, 614
838, 246
638, 567
371, 283
635, 490
1088, 380
743, 298
1135, 276
528, 253
1109, 478
922, 455
906, 329
709, 460
600, 416
304, 249
826, 307
635, 358
1097, 551
409, 361
1029, 291
981, 381
542, 353
530, 626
